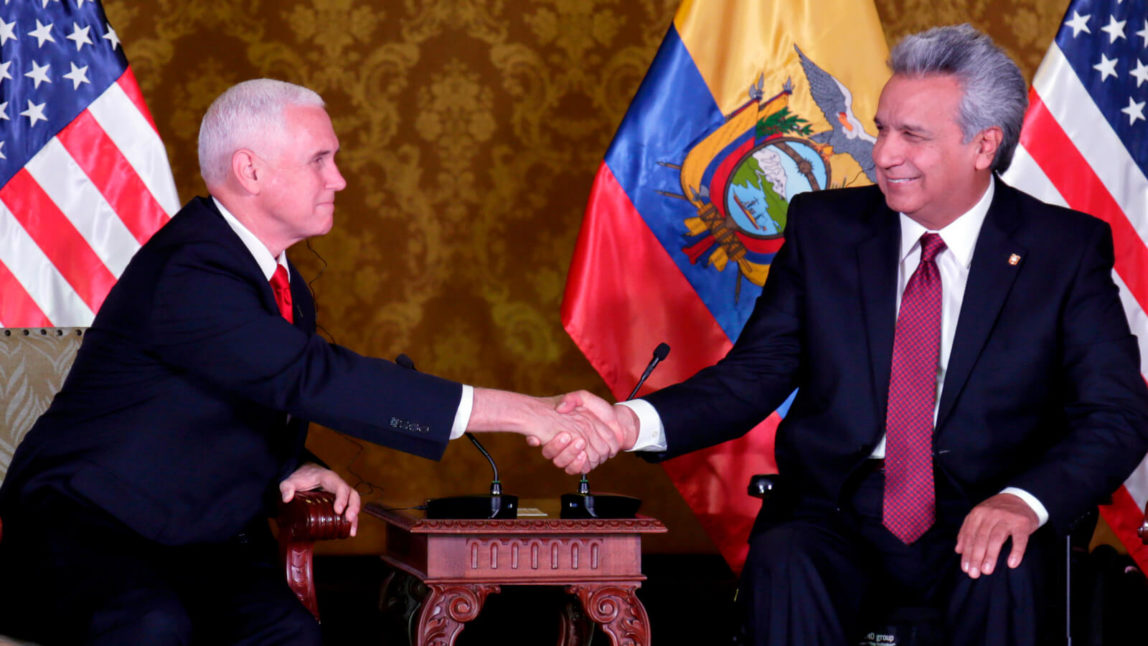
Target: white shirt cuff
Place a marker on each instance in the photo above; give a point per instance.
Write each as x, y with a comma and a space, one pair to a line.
1031, 501
462, 416
651, 431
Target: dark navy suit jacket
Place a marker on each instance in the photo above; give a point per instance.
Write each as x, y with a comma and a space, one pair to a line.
174, 417
1043, 388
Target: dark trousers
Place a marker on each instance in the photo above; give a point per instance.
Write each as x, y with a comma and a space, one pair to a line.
74, 575
827, 576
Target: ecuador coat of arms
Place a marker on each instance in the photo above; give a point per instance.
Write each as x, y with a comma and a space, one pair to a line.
742, 175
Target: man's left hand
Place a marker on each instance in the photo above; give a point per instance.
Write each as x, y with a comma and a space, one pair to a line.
986, 528
311, 476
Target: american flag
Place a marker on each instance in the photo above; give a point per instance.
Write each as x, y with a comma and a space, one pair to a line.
1085, 145
85, 178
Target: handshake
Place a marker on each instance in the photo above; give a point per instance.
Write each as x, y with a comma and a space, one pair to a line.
577, 431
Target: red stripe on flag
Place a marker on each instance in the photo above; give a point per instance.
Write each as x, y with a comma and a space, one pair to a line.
58, 239
113, 175
624, 295
127, 83
1052, 150
1124, 517
713, 482
17, 307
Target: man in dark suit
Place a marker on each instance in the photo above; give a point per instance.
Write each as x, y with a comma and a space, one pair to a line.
965, 375
135, 509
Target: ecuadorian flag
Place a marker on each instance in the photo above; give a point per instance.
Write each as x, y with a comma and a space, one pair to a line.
747, 103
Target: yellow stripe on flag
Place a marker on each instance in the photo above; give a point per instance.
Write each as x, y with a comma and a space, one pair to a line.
735, 42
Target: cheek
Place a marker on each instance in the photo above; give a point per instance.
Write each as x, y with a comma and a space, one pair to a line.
929, 162
319, 183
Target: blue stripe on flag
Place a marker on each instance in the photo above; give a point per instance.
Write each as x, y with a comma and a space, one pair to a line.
672, 111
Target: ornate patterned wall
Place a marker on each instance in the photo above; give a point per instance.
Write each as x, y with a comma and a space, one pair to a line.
470, 131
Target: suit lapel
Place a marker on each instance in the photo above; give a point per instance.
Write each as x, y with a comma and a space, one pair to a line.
991, 277
245, 262
303, 305
877, 266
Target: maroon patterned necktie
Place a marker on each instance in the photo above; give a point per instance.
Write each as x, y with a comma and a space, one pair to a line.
282, 289
909, 506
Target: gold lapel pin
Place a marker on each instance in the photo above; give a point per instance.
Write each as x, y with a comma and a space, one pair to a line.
1014, 259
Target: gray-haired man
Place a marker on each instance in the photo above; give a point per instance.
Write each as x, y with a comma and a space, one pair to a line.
965, 376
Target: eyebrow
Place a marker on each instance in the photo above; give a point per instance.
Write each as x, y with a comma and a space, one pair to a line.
905, 127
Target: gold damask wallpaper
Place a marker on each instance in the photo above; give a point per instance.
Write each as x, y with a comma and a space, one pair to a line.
471, 131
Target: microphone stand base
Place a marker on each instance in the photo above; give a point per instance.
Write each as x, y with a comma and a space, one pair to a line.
473, 507
599, 505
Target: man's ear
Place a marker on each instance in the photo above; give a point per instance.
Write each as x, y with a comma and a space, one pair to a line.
247, 169
988, 143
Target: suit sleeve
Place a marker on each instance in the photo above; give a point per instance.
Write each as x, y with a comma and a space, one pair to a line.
1105, 397
728, 399
210, 320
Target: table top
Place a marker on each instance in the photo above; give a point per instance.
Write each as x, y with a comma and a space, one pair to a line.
534, 516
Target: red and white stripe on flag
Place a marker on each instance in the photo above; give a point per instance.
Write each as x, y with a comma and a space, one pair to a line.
79, 210
84, 176
1082, 146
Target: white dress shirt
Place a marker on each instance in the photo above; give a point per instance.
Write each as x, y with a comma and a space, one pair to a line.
960, 238
267, 264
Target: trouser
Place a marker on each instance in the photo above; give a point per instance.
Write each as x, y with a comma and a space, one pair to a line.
827, 576
74, 575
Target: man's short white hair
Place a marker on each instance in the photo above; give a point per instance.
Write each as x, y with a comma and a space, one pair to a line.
245, 115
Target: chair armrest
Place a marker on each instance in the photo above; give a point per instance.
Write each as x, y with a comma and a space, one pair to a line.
309, 517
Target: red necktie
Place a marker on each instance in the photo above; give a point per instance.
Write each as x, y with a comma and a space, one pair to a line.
910, 503
282, 289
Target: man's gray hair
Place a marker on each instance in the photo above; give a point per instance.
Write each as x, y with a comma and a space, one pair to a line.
994, 88
245, 115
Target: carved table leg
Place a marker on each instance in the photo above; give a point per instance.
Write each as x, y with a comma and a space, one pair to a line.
575, 626
447, 608
401, 596
616, 608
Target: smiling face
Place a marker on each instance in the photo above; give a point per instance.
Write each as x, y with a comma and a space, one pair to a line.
299, 176
924, 167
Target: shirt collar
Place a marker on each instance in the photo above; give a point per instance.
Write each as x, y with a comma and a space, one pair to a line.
267, 263
960, 235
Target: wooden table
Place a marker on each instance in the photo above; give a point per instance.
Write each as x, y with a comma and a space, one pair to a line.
463, 561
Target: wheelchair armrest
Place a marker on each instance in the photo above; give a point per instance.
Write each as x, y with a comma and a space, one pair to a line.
763, 485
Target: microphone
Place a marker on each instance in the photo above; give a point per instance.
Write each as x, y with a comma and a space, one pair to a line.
587, 505
495, 484
660, 354
495, 505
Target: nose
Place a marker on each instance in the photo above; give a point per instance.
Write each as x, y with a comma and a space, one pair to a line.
886, 152
335, 180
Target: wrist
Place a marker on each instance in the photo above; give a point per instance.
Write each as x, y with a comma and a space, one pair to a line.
629, 423
500, 410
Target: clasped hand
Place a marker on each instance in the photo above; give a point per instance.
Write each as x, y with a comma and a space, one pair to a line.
589, 432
